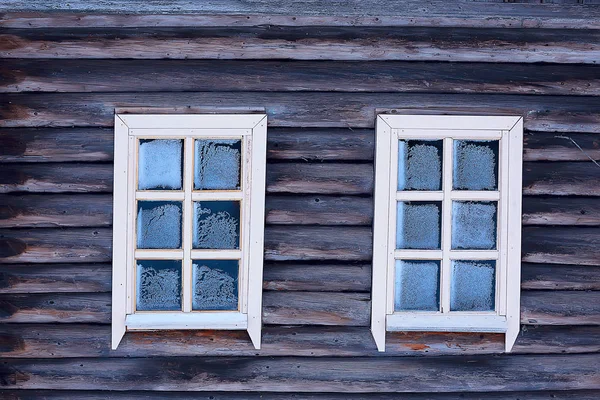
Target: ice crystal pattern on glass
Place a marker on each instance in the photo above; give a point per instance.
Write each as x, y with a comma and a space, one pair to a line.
160, 165
417, 285
475, 165
216, 225
418, 225
159, 286
473, 225
473, 286
215, 285
419, 165
217, 164
159, 225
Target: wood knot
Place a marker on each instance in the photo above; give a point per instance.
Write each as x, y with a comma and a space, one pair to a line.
10, 247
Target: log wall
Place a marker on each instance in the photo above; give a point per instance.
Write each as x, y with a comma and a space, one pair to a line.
321, 78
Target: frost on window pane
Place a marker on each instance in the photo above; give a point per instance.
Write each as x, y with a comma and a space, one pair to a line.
216, 225
215, 285
475, 165
474, 225
158, 285
160, 164
420, 165
418, 225
472, 286
217, 164
159, 225
417, 286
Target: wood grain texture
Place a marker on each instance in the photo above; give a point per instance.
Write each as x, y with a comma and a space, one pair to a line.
320, 178
561, 245
559, 147
561, 178
355, 110
559, 277
415, 374
316, 278
579, 211
307, 43
538, 307
56, 178
90, 341
78, 75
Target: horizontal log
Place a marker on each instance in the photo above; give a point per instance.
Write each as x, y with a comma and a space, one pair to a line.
22, 75
559, 277
90, 341
294, 374
146, 395
317, 278
561, 245
307, 43
539, 178
553, 307
356, 110
96, 144
300, 13
561, 211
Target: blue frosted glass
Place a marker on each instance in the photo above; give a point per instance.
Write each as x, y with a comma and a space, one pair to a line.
160, 164
474, 225
473, 286
159, 225
418, 225
475, 165
215, 285
158, 285
420, 165
217, 164
216, 225
417, 286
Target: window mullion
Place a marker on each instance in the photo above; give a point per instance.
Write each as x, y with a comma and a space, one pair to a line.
187, 224
446, 225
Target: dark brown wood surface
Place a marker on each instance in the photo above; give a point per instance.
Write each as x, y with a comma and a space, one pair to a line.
319, 109
52, 75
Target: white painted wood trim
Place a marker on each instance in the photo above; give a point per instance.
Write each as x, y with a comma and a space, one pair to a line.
217, 133
515, 177
418, 254
119, 255
175, 195
188, 214
191, 121
209, 195
191, 320
392, 223
380, 231
450, 322
446, 226
438, 134
257, 228
474, 195
449, 122
216, 254
416, 195
151, 254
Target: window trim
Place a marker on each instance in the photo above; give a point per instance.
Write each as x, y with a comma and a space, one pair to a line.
252, 128
388, 130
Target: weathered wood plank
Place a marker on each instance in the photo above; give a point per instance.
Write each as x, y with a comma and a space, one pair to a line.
22, 75
539, 178
55, 210
82, 340
318, 210
55, 278
146, 395
553, 307
559, 147
307, 43
559, 277
342, 110
561, 211
561, 245
316, 278
412, 374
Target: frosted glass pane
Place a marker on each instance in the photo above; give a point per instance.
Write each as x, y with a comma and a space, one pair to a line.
475, 165
158, 285
418, 225
474, 225
160, 164
215, 285
473, 286
417, 286
420, 165
217, 164
216, 225
159, 225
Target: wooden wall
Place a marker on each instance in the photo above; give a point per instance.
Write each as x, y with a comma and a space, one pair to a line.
321, 80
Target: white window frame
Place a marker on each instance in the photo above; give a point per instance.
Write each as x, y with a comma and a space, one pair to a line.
390, 129
252, 130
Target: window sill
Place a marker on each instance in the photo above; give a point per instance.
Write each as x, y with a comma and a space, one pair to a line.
194, 320
446, 322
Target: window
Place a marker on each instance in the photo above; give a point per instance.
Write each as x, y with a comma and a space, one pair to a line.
447, 225
189, 194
